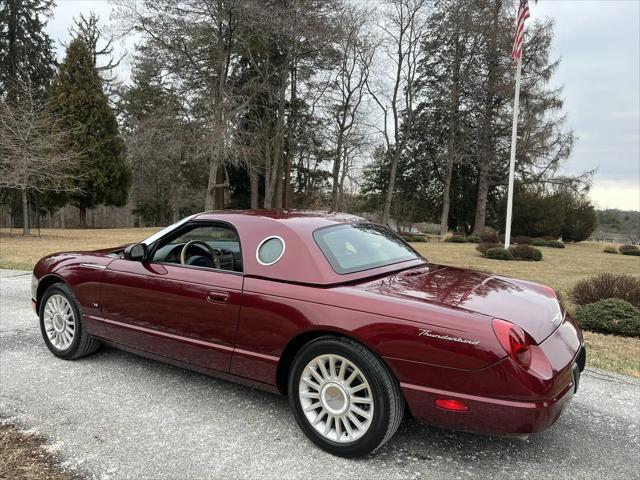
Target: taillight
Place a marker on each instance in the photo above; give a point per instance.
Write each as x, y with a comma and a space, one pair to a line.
514, 341
549, 291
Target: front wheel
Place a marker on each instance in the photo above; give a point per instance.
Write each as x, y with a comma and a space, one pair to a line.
61, 324
344, 397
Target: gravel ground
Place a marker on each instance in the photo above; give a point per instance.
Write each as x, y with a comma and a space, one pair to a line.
118, 416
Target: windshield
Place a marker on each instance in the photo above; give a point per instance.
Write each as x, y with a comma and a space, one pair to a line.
361, 246
166, 230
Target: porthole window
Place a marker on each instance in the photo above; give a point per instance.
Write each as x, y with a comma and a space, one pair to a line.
270, 250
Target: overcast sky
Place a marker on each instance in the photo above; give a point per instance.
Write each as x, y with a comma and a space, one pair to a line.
598, 42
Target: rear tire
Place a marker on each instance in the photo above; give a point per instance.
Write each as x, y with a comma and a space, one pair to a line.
61, 324
344, 397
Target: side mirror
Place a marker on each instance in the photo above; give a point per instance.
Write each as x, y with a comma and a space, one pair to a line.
136, 252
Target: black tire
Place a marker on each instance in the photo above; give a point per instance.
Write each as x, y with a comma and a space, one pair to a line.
82, 344
386, 394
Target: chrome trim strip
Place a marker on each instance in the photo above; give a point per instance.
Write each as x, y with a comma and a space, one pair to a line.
95, 266
272, 237
171, 336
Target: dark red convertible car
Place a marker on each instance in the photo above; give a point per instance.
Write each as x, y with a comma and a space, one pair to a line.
338, 313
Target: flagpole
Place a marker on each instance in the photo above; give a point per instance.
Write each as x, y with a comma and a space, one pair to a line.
512, 161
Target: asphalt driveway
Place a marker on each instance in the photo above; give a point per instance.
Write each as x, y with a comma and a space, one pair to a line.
118, 416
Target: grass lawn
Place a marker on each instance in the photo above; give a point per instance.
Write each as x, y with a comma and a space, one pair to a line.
22, 253
560, 269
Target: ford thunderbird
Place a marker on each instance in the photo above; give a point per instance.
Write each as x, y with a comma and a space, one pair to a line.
339, 314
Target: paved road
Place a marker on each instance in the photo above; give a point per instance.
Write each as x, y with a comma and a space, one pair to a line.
117, 416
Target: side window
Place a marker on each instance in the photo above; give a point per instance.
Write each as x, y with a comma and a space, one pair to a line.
270, 250
208, 246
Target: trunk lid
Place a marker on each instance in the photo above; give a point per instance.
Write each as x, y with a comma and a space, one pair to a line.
531, 306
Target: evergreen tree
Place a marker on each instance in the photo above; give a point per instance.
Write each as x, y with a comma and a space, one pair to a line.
103, 177
26, 51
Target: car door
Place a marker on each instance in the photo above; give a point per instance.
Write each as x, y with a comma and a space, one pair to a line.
183, 312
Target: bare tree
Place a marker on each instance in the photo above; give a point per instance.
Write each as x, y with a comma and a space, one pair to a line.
197, 41
403, 24
35, 153
355, 57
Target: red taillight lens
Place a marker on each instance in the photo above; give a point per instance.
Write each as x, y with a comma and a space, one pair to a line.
514, 341
549, 292
450, 404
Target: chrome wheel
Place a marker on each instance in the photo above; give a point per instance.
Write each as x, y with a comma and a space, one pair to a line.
59, 322
336, 398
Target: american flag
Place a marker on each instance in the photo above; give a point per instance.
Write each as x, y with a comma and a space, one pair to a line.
523, 14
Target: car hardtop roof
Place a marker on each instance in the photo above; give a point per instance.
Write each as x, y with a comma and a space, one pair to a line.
308, 219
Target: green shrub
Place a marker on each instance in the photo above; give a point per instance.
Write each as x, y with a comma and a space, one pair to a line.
456, 239
539, 242
499, 253
522, 240
610, 250
490, 236
419, 238
483, 247
611, 315
607, 285
627, 248
635, 253
555, 244
526, 252
474, 239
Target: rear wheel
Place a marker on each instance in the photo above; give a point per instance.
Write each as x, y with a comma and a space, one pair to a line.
344, 397
61, 324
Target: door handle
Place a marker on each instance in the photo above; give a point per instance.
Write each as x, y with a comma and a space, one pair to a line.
218, 297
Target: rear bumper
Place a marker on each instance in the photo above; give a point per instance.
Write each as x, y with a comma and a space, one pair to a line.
492, 415
486, 415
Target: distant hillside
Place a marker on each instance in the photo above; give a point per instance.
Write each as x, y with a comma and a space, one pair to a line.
618, 225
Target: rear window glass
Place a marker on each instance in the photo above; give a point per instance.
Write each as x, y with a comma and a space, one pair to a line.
361, 246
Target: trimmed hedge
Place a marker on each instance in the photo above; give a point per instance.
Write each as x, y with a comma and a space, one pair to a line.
515, 252
627, 248
555, 244
607, 285
526, 252
456, 239
483, 247
612, 315
522, 240
539, 242
474, 239
499, 253
610, 250
635, 253
490, 236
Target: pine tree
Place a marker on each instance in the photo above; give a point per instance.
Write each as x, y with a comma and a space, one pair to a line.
80, 100
26, 51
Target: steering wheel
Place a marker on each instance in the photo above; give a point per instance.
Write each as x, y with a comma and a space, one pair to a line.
213, 252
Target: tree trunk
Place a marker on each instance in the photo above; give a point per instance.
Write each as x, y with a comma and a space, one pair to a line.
335, 173
254, 181
343, 176
487, 149
453, 128
292, 143
26, 230
83, 217
220, 188
386, 212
